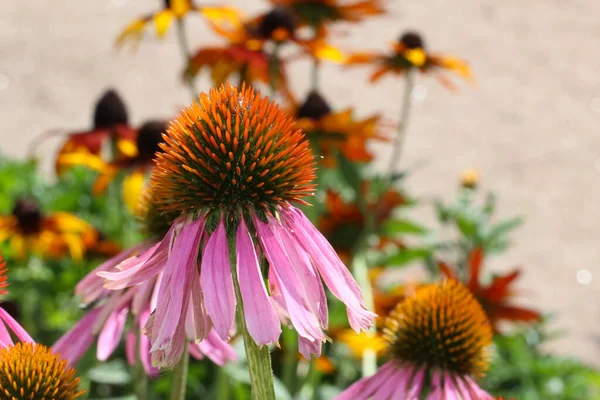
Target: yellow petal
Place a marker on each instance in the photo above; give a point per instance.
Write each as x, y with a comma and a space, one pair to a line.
221, 16
127, 148
133, 188
180, 7
81, 157
457, 65
417, 57
327, 52
134, 30
162, 21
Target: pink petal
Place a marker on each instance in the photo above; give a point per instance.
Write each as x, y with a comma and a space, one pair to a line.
303, 319
215, 349
136, 270
168, 330
91, 288
307, 347
197, 323
402, 378
74, 344
364, 388
335, 274
416, 385
5, 339
14, 326
110, 336
261, 318
469, 389
145, 345
130, 343
217, 282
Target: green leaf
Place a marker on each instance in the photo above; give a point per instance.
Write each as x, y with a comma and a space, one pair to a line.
403, 226
351, 172
406, 256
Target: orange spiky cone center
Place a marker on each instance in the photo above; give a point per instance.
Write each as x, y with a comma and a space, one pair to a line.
32, 371
232, 150
441, 326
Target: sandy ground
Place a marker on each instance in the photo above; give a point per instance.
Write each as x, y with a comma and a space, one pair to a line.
530, 125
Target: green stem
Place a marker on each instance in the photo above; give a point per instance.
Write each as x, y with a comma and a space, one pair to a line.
223, 384
185, 49
400, 137
141, 379
274, 70
315, 75
179, 378
258, 358
290, 360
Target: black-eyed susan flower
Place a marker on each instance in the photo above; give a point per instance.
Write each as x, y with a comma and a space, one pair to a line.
32, 371
110, 126
497, 295
337, 131
231, 166
317, 13
27, 229
363, 342
106, 322
437, 343
410, 52
162, 19
469, 178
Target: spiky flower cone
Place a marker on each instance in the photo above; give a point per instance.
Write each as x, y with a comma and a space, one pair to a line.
231, 166
441, 334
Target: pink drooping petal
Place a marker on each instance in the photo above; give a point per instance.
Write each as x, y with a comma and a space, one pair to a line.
142, 296
143, 267
365, 388
217, 282
145, 345
335, 274
5, 339
110, 335
277, 299
416, 385
305, 322
214, 348
74, 344
197, 323
14, 326
307, 273
91, 288
469, 389
307, 347
402, 377
116, 302
168, 330
396, 385
261, 318
130, 344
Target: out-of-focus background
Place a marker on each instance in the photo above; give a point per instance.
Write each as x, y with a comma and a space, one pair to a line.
530, 124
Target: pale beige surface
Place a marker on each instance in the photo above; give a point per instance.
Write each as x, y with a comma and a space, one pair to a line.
530, 125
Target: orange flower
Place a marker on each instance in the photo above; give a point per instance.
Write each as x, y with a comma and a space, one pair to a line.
410, 52
3, 278
343, 221
317, 13
49, 236
495, 298
337, 131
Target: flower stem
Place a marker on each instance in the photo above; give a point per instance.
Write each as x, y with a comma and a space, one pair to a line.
290, 360
179, 378
259, 358
274, 70
315, 74
185, 49
400, 137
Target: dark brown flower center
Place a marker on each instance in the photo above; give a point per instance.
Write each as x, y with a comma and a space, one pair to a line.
28, 215
110, 111
278, 18
314, 107
149, 139
412, 40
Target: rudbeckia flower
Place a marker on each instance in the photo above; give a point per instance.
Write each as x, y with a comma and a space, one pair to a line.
162, 19
359, 344
317, 13
495, 297
50, 236
410, 52
337, 131
110, 123
231, 166
437, 344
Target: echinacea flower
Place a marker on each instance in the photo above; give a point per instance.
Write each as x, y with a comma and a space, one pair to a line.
32, 371
317, 13
6, 320
231, 165
50, 236
110, 123
437, 343
337, 131
495, 298
410, 52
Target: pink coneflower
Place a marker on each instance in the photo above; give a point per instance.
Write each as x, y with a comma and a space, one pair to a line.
231, 164
6, 321
437, 342
107, 321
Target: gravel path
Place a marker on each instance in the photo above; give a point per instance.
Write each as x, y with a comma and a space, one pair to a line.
530, 125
